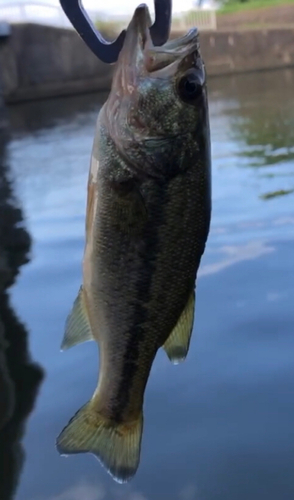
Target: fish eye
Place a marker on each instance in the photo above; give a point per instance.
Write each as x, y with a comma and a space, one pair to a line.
189, 86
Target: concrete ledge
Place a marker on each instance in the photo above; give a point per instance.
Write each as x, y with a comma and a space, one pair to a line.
58, 89
42, 61
247, 50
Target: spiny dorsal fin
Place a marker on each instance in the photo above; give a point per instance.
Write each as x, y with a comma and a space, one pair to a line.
177, 344
77, 327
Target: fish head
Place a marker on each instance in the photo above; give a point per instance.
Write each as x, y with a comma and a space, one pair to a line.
157, 104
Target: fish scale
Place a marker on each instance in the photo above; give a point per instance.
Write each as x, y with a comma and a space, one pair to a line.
148, 217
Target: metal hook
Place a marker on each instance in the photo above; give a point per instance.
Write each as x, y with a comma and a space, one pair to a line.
160, 29
108, 51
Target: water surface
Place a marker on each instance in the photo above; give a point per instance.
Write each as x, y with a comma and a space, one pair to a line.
220, 425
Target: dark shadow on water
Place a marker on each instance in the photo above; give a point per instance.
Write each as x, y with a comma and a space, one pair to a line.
35, 115
20, 378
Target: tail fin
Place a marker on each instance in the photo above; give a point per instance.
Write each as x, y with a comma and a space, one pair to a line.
117, 446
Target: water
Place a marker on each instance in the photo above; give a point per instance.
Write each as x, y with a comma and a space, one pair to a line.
217, 427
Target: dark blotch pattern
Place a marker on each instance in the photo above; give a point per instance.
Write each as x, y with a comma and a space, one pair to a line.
137, 333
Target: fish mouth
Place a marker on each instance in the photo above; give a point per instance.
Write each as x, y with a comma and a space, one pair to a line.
139, 56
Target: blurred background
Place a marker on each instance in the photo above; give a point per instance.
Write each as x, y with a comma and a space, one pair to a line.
220, 425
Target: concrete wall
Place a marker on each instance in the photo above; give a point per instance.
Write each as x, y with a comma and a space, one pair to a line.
247, 50
3, 116
41, 61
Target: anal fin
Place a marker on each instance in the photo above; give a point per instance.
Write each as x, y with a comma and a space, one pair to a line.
77, 327
177, 344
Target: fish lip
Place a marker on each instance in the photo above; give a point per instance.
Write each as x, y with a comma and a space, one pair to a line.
176, 43
137, 37
165, 61
140, 56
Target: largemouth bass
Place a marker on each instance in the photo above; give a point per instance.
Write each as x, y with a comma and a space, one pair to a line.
148, 216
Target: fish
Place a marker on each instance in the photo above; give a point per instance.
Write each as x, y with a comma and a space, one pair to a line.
147, 222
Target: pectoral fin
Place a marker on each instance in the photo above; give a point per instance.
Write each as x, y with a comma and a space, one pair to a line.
77, 328
177, 344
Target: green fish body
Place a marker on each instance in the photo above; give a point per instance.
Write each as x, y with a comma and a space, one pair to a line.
148, 216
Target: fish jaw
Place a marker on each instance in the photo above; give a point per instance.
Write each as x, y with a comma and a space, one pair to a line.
131, 58
140, 58
145, 116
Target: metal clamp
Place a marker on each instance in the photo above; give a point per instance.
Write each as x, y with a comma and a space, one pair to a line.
108, 51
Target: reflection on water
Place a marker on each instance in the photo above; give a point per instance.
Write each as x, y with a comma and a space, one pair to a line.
19, 376
219, 426
274, 194
263, 125
254, 118
269, 137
